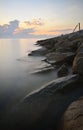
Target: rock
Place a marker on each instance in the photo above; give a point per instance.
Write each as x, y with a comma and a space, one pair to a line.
73, 116
30, 111
63, 49
58, 58
48, 43
43, 108
68, 42
79, 67
76, 35
40, 52
66, 45
43, 69
80, 48
63, 71
78, 61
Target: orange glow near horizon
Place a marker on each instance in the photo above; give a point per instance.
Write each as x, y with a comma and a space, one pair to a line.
36, 27
27, 18
46, 30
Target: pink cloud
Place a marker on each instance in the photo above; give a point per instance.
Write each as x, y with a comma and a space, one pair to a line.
34, 22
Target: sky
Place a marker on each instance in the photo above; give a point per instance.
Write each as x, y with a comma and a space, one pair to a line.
39, 18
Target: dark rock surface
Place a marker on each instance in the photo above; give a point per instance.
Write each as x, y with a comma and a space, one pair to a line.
63, 71
73, 116
43, 108
78, 61
38, 52
58, 58
60, 50
48, 43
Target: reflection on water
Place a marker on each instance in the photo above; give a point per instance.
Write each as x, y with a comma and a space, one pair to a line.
16, 79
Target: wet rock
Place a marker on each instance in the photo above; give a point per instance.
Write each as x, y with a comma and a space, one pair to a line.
43, 70
30, 112
40, 52
63, 71
66, 45
48, 43
60, 58
73, 117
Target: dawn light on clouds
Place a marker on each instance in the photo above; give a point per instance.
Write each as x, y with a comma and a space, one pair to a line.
32, 18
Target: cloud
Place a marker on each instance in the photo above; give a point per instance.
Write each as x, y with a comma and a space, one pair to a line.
24, 33
34, 22
13, 30
7, 30
29, 33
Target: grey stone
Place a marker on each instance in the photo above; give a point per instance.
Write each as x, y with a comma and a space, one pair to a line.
31, 108
73, 116
63, 71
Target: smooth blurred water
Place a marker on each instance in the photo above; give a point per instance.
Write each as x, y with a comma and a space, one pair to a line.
16, 67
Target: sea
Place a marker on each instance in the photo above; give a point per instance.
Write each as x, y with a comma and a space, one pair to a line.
18, 76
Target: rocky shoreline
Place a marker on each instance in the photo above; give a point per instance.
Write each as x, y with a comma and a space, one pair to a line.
44, 109
66, 52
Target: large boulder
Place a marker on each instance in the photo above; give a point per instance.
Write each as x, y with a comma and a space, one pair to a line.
42, 108
59, 58
73, 116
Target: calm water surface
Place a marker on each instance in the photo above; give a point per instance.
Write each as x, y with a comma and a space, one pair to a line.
16, 71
